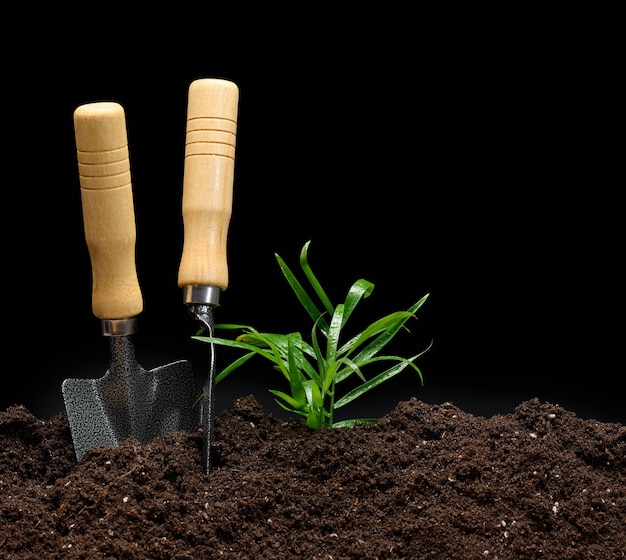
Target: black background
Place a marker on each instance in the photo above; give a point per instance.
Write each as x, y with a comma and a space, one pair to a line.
429, 156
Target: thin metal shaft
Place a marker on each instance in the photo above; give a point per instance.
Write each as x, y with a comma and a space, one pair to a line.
204, 315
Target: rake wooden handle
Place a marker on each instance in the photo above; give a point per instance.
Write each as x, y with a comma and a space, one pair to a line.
208, 182
108, 209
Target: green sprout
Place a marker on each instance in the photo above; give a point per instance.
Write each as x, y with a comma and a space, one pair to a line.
315, 370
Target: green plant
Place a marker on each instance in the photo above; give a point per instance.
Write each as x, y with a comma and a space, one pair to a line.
315, 370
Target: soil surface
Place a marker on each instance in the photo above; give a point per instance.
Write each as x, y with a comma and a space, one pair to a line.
427, 482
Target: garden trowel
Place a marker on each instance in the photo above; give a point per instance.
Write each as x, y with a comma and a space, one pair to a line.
128, 402
207, 206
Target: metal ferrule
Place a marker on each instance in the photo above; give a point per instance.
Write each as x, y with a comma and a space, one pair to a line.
119, 327
207, 295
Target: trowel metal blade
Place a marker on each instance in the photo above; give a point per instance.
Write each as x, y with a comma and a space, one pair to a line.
130, 402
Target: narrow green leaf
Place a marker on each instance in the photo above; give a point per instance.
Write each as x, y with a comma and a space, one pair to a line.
383, 339
360, 289
291, 401
388, 326
352, 423
286, 407
333, 334
233, 366
381, 378
346, 367
329, 376
219, 326
301, 293
319, 356
304, 264
317, 399
234, 344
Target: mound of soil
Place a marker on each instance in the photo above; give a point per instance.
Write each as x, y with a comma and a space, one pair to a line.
428, 482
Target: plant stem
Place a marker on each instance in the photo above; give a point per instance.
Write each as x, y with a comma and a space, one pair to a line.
332, 403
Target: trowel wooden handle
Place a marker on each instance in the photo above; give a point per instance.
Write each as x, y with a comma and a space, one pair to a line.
208, 181
108, 209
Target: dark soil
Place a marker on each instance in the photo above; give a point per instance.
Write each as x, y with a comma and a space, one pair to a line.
429, 482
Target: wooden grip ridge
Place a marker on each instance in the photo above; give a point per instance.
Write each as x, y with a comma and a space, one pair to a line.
108, 209
208, 181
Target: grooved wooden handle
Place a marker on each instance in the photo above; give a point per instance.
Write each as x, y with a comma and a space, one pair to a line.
208, 181
108, 209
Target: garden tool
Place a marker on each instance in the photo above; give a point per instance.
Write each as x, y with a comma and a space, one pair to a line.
207, 206
128, 402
